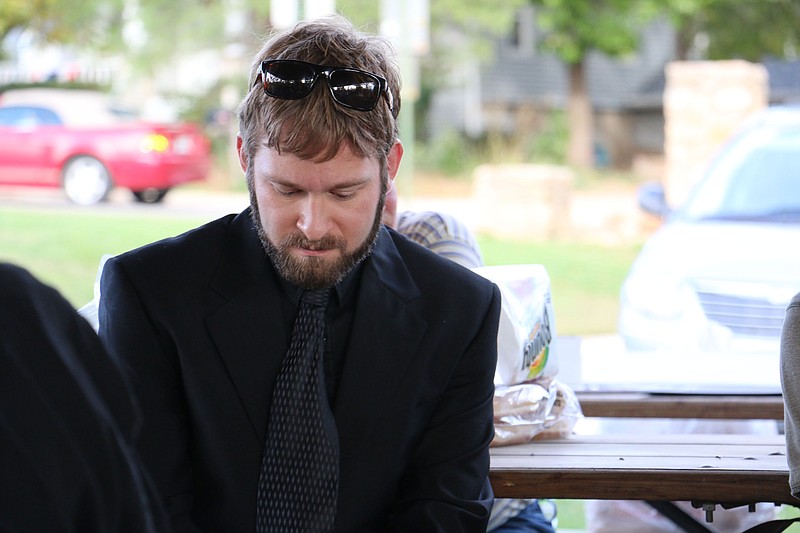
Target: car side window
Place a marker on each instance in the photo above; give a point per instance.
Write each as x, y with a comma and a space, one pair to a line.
27, 117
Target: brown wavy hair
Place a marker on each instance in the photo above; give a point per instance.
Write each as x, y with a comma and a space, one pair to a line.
316, 127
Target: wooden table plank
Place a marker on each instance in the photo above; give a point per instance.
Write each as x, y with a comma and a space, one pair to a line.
647, 462
648, 450
733, 440
713, 486
650, 405
717, 468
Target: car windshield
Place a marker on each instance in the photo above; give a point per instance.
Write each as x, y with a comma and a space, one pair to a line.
756, 178
27, 117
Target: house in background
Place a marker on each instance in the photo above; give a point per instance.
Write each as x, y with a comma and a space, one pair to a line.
512, 93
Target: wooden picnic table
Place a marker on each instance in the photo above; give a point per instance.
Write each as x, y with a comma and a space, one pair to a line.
730, 470
674, 405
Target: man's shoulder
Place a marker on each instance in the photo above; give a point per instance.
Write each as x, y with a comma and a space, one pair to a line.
443, 234
24, 295
430, 222
14, 278
795, 301
186, 259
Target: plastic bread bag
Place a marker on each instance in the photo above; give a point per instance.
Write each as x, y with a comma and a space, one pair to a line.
526, 338
537, 410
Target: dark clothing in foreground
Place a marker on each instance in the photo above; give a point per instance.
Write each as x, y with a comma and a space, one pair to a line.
790, 383
67, 421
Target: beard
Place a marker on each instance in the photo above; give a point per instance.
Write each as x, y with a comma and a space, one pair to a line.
315, 272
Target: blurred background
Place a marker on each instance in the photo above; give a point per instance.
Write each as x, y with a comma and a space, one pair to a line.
497, 81
555, 110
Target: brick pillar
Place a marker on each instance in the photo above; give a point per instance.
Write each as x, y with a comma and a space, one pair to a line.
704, 102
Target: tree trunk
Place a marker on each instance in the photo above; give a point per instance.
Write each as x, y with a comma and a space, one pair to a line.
580, 152
683, 43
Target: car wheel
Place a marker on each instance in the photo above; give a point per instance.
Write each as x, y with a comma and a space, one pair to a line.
86, 180
150, 196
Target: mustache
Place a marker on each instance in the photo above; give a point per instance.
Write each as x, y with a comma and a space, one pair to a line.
298, 240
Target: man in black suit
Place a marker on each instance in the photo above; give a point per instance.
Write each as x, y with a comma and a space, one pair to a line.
203, 320
67, 422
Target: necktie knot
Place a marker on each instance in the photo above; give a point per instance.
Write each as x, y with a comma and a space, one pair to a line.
316, 298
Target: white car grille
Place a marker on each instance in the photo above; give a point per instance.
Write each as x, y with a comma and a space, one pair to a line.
744, 315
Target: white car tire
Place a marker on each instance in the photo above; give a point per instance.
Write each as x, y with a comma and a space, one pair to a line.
86, 180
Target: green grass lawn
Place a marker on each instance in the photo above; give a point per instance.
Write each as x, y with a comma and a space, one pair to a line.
571, 515
585, 279
64, 247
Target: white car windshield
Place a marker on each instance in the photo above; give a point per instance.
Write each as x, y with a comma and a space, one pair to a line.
756, 178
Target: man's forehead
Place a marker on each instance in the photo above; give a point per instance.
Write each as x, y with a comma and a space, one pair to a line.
344, 170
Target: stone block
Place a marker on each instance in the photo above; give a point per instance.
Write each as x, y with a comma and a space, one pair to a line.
527, 202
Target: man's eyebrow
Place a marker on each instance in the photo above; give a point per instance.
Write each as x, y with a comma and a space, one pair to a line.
353, 183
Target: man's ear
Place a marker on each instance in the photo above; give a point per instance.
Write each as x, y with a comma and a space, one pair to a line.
393, 159
242, 155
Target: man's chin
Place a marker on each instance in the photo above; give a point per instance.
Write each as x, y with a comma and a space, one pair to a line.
315, 272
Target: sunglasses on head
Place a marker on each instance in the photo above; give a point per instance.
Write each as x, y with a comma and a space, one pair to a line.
289, 79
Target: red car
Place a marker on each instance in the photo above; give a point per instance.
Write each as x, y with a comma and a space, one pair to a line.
75, 139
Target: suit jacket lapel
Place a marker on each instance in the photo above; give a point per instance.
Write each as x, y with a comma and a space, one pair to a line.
384, 336
248, 324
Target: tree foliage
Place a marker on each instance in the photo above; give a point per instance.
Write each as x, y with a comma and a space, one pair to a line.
573, 28
148, 32
743, 29
62, 21
364, 14
746, 29
165, 29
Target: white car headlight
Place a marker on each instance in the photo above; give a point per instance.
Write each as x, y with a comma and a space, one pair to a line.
656, 296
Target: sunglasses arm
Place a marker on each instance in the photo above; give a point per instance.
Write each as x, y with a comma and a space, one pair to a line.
389, 99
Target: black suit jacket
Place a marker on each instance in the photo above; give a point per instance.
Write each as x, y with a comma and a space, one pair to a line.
67, 421
197, 319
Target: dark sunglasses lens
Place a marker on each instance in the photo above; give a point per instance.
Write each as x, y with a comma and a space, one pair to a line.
288, 80
354, 89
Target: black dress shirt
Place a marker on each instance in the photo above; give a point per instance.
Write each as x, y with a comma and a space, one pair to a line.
339, 320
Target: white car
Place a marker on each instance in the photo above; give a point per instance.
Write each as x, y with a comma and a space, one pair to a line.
710, 288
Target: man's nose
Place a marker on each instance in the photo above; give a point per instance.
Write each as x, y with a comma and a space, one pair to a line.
314, 219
